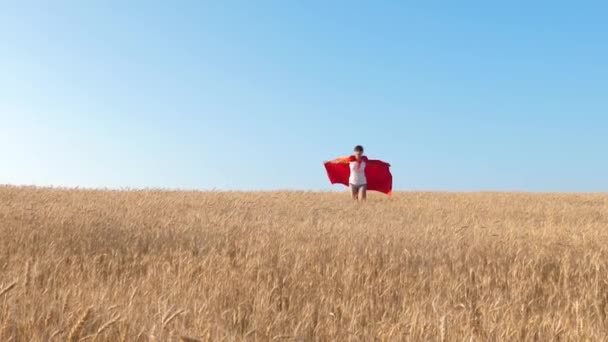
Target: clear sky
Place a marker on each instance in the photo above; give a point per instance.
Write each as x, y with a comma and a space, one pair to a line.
456, 95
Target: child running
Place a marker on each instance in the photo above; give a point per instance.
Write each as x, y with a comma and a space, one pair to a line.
357, 180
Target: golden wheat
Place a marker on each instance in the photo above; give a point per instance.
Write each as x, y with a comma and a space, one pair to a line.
106, 326
8, 288
77, 329
28, 279
301, 266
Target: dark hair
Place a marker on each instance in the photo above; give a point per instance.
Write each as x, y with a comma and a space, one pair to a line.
358, 148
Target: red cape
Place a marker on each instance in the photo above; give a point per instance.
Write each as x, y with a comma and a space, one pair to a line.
377, 172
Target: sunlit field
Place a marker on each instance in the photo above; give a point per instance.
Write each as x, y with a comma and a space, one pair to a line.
82, 265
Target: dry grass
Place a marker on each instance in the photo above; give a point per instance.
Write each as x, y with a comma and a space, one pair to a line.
195, 266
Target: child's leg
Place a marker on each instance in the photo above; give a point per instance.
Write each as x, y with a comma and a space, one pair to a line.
354, 192
363, 192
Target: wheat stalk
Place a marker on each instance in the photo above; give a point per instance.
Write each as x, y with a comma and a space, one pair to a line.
77, 329
57, 332
66, 302
125, 333
105, 326
8, 288
189, 339
442, 328
168, 320
27, 281
133, 296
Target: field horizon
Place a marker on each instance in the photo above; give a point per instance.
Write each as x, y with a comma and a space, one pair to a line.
336, 189
169, 265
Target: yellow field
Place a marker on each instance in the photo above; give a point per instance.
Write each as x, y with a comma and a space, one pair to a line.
165, 266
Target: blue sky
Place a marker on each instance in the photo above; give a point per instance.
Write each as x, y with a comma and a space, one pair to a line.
460, 95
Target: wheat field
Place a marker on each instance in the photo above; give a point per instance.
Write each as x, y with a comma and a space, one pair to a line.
151, 265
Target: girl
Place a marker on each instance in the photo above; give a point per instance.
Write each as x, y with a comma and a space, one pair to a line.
357, 180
